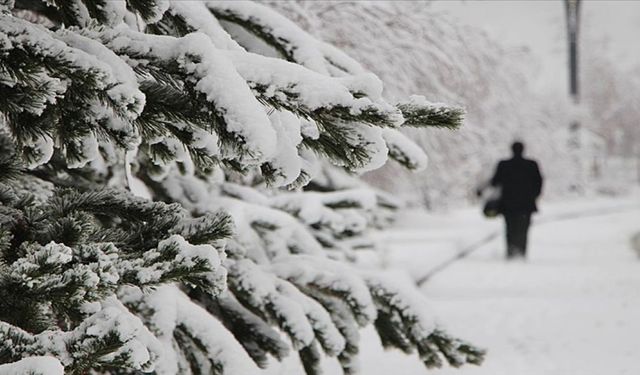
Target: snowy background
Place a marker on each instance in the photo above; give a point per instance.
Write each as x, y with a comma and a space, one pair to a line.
505, 62
572, 307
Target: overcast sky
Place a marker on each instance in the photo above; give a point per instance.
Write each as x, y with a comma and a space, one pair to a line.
540, 25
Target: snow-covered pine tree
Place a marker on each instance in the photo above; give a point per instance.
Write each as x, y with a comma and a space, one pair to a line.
153, 211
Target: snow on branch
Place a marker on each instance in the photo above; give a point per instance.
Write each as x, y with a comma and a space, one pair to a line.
262, 291
36, 365
336, 218
190, 336
86, 259
237, 115
405, 322
403, 150
328, 277
257, 336
267, 232
108, 337
312, 95
189, 16
175, 258
43, 78
293, 43
124, 88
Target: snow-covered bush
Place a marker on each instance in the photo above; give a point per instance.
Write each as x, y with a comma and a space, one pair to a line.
154, 215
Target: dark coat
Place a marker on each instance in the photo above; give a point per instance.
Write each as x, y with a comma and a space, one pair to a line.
520, 182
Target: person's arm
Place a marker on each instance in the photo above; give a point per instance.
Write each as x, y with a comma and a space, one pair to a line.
537, 179
494, 181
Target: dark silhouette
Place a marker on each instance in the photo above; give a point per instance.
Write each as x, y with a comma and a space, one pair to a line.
520, 182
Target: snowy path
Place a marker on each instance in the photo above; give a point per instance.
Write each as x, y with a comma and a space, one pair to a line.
572, 308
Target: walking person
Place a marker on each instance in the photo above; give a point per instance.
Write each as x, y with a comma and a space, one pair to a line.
520, 182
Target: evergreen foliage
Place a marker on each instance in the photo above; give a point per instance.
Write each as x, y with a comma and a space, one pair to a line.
172, 201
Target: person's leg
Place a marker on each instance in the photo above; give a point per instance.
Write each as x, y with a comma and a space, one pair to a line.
520, 224
510, 229
526, 222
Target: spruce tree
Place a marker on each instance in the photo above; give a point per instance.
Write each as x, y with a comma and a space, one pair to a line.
177, 193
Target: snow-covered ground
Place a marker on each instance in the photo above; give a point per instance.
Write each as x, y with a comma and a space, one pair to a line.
572, 308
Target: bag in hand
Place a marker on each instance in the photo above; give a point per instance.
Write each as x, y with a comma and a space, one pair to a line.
491, 207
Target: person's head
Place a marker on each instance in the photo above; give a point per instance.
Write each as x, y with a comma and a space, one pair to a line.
517, 148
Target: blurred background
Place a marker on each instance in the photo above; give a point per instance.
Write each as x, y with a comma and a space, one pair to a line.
572, 306
506, 63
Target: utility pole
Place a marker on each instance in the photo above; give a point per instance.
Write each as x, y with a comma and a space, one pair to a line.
572, 8
572, 12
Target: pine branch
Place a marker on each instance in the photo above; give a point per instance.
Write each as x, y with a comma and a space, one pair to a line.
400, 325
174, 103
256, 336
418, 112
